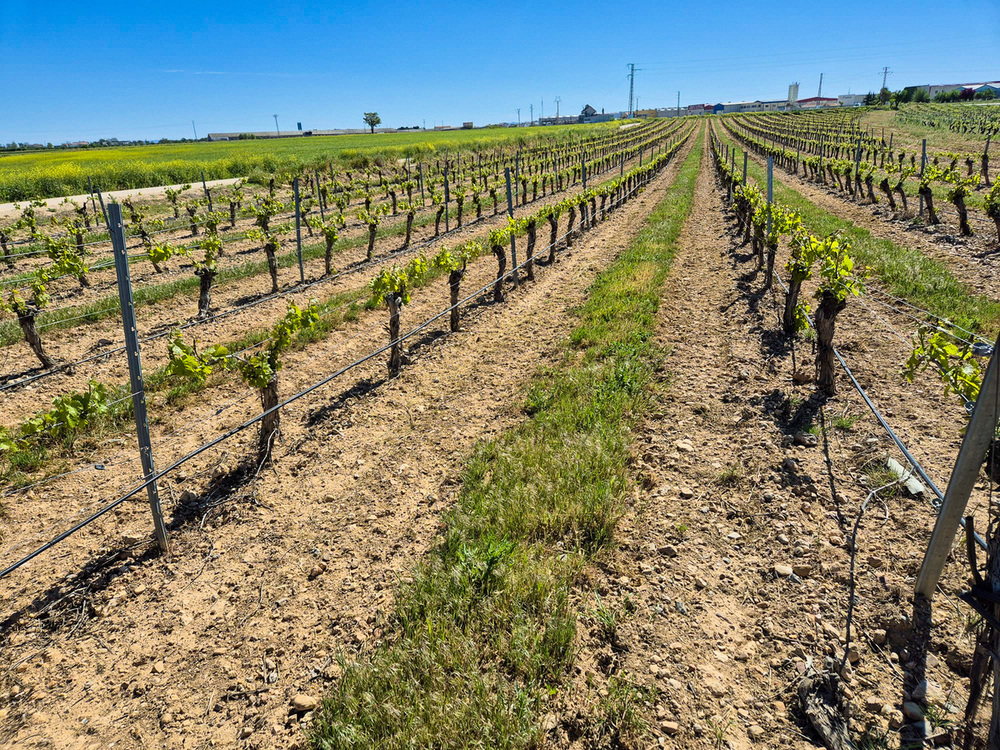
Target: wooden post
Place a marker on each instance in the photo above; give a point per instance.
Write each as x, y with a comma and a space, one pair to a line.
978, 436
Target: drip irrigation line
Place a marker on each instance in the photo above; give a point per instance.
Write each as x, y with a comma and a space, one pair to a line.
302, 393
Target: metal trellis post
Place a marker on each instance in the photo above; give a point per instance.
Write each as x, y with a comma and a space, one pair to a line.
978, 436
204, 186
298, 230
319, 197
510, 213
447, 198
117, 231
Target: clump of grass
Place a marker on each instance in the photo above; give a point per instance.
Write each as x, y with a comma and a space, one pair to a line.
845, 421
732, 475
485, 630
622, 711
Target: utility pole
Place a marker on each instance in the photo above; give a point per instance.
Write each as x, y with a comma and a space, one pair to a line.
885, 74
678, 103
519, 117
194, 129
531, 117
631, 87
541, 112
558, 99
276, 125
820, 92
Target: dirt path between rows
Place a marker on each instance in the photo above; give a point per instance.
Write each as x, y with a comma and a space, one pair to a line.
265, 588
731, 579
10, 210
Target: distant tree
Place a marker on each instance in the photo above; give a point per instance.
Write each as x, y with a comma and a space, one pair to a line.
372, 119
870, 99
921, 95
884, 95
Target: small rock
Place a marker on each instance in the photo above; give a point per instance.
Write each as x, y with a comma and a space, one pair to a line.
158, 667
685, 446
912, 711
668, 550
245, 732
801, 377
680, 607
700, 583
743, 375
896, 720
670, 728
790, 465
873, 705
687, 493
269, 665
878, 637
853, 656
734, 535
755, 732
783, 570
317, 570
166, 719
302, 703
805, 438
802, 570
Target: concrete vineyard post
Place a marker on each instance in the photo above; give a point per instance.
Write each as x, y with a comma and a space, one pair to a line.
510, 213
117, 230
978, 436
744, 168
298, 230
204, 186
583, 168
420, 179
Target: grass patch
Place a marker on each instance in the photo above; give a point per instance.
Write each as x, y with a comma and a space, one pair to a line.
902, 271
485, 628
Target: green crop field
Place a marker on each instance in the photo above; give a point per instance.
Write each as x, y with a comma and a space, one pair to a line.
47, 174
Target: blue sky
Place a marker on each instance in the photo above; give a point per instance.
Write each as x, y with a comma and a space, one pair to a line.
145, 70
